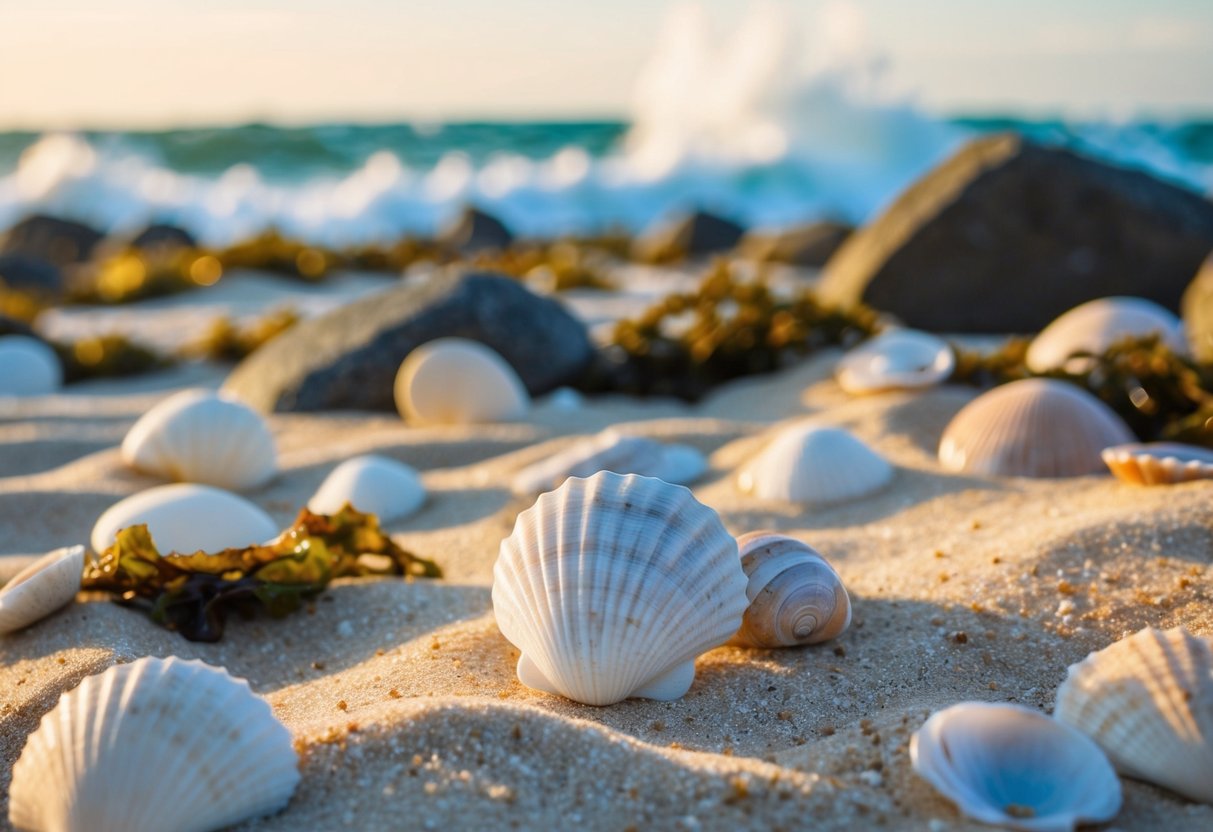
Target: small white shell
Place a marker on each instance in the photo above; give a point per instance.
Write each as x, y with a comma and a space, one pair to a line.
154, 744
612, 451
795, 596
41, 588
373, 484
1159, 463
1147, 700
455, 381
612, 585
1094, 326
1032, 428
198, 436
186, 518
901, 359
28, 367
817, 465
1014, 767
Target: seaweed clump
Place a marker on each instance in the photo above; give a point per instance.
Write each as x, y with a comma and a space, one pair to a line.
107, 356
726, 328
193, 593
137, 274
225, 340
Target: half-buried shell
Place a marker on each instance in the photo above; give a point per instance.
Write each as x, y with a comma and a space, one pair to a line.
186, 518
901, 359
41, 588
1159, 463
372, 484
1092, 327
456, 381
612, 451
815, 465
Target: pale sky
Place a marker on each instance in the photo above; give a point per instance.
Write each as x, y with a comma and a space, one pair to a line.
122, 63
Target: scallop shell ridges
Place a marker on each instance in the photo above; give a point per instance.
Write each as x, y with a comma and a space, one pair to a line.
612, 585
817, 465
456, 381
41, 588
1159, 463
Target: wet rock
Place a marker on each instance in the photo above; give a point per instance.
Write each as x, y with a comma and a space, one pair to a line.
806, 245
348, 358
58, 241
475, 231
163, 236
688, 235
1198, 313
1007, 234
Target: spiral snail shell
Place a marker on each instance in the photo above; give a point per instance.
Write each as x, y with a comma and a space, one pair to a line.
795, 596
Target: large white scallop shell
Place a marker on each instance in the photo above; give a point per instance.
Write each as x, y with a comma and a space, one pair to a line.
41, 588
901, 359
817, 465
612, 451
1147, 700
1014, 767
612, 585
373, 484
455, 381
1094, 326
28, 367
1159, 463
1032, 428
156, 744
186, 518
199, 436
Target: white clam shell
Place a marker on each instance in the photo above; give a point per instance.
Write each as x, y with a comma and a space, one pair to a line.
156, 744
41, 588
817, 465
28, 367
1014, 767
199, 436
612, 585
902, 359
373, 484
186, 518
1147, 700
1094, 326
455, 381
1032, 428
1159, 463
612, 451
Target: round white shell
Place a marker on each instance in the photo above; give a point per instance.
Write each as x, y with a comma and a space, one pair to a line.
902, 359
1014, 767
155, 744
1032, 428
455, 381
809, 464
373, 484
41, 588
1094, 326
1147, 700
1159, 463
28, 367
187, 518
612, 585
612, 451
199, 436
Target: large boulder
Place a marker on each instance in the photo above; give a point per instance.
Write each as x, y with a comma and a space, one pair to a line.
163, 237
1198, 313
32, 275
1006, 235
58, 241
348, 358
474, 231
809, 245
687, 235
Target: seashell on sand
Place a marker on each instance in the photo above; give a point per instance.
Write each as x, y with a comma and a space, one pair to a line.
1094, 326
901, 359
816, 465
187, 518
1032, 428
456, 381
1147, 701
373, 484
795, 596
1014, 767
1159, 463
28, 367
612, 451
41, 588
610, 586
156, 744
199, 436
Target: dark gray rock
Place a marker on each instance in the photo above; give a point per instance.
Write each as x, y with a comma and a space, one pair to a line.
163, 236
31, 274
347, 359
688, 235
12, 326
475, 231
1198, 313
58, 241
1006, 235
806, 245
